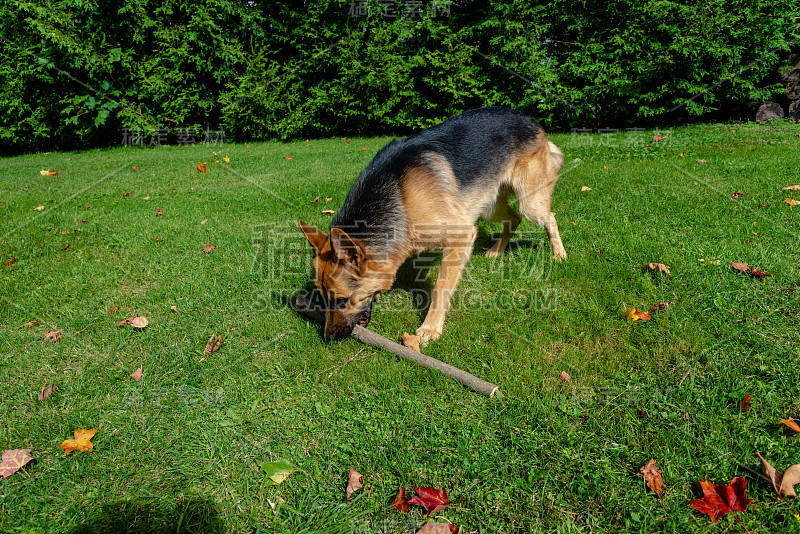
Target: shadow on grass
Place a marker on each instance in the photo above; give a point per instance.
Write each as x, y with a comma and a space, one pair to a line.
148, 516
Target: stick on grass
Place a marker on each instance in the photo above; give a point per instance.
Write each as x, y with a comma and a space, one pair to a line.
368, 337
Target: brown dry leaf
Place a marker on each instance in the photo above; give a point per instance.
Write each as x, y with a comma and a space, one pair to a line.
46, 391
586, 188
31, 323
700, 160
213, 345
53, 335
791, 424
137, 374
14, 460
411, 341
136, 322
782, 483
315, 200
737, 194
652, 476
10, 263
743, 267
39, 208
564, 377
328, 199
328, 212
354, 483
82, 441
792, 188
438, 528
174, 308
660, 267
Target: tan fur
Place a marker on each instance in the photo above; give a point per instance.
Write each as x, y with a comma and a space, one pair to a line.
440, 216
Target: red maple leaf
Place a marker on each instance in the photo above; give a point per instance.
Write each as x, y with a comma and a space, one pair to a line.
209, 248
431, 499
400, 502
719, 499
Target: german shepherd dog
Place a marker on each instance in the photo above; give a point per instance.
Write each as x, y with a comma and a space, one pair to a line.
426, 192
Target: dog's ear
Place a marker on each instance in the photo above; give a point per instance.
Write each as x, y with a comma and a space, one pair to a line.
347, 250
316, 237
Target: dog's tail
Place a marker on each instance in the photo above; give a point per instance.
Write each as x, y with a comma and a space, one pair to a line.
556, 157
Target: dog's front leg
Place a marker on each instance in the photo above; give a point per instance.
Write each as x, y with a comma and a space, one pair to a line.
455, 255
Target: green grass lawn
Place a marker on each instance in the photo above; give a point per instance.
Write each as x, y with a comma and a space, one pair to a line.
179, 451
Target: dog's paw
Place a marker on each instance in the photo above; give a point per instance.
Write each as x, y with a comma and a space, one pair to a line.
558, 256
427, 334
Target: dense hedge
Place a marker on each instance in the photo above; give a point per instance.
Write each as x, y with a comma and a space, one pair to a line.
75, 72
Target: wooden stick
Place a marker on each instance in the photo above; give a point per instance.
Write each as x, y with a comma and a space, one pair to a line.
376, 340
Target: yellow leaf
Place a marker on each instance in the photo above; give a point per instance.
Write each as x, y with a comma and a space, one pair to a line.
791, 201
82, 441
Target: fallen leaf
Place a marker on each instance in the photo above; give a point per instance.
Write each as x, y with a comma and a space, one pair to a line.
791, 424
10, 263
213, 345
202, 167
363, 148
328, 199
431, 499
328, 212
277, 471
113, 310
46, 392
82, 441
411, 341
658, 137
432, 527
289, 157
792, 188
31, 323
660, 267
746, 404
700, 160
737, 194
586, 188
135, 168
790, 201
137, 374
126, 193
315, 199
742, 267
136, 322
14, 460
652, 476
757, 274
354, 483
53, 335
226, 159
400, 502
765, 205
174, 308
719, 499
782, 483
48, 173
159, 212
634, 315
564, 377
39, 208
661, 306
204, 221
682, 155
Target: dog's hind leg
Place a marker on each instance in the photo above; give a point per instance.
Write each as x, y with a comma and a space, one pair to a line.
533, 184
455, 255
505, 214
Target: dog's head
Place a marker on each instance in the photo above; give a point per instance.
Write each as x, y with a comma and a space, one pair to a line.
341, 275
